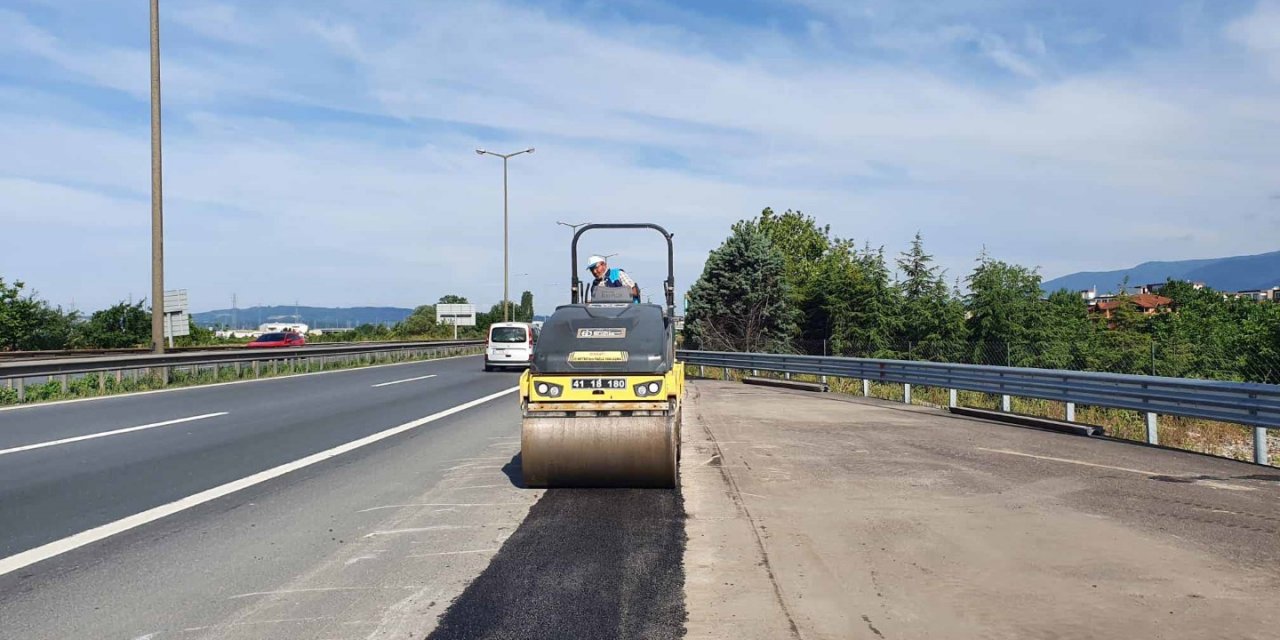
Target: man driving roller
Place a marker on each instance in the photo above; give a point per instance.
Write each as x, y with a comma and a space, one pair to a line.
606, 277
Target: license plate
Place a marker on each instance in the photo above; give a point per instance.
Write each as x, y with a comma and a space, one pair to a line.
599, 383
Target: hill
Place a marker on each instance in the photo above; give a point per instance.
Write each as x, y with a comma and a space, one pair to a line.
315, 317
1237, 273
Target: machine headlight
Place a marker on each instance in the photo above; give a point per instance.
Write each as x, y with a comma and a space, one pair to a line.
547, 389
645, 389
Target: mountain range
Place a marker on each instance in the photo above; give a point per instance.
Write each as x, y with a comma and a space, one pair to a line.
314, 317
1237, 273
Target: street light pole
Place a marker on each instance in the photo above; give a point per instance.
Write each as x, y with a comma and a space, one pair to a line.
157, 193
506, 254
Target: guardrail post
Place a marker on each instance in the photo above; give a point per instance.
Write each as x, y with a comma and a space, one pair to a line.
255, 368
275, 366
1071, 412
164, 376
102, 382
1260, 446
63, 380
1153, 434
1005, 403
954, 400
906, 393
866, 388
702, 371
22, 389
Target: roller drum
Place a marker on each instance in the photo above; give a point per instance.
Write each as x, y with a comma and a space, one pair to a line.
615, 451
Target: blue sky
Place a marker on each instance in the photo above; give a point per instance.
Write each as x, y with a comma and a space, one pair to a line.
321, 151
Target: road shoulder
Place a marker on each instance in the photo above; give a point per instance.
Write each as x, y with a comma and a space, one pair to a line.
859, 520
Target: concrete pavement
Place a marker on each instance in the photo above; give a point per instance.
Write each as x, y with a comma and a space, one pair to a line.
820, 516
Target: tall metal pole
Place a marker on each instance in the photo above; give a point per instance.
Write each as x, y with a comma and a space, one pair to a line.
157, 196
506, 256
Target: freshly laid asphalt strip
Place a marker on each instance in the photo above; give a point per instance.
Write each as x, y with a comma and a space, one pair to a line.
586, 563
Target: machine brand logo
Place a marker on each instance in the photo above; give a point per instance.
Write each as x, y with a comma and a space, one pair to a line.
620, 332
598, 356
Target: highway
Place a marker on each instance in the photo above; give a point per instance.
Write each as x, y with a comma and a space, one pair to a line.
385, 502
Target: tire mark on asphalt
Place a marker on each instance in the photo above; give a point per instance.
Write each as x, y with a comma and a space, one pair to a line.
585, 563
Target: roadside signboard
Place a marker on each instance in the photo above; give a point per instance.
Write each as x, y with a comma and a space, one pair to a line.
177, 319
458, 315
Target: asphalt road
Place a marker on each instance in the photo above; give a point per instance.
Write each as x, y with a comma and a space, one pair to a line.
55, 491
385, 503
408, 518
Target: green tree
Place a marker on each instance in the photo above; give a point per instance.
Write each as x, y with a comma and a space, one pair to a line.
741, 301
803, 244
120, 326
1005, 312
420, 323
452, 299
524, 312
932, 320
29, 324
862, 303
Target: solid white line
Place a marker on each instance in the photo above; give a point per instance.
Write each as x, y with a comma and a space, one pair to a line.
54, 403
70, 543
451, 553
1207, 483
438, 527
384, 384
116, 432
442, 504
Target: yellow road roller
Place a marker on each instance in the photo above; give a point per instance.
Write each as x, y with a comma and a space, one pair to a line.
601, 399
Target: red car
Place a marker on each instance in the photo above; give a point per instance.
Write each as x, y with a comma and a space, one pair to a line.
288, 339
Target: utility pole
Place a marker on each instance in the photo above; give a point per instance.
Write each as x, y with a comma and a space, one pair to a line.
157, 192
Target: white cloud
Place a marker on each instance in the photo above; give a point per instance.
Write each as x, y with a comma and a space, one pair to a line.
632, 122
1259, 31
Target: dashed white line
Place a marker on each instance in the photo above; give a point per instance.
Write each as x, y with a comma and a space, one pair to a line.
386, 384
114, 432
70, 543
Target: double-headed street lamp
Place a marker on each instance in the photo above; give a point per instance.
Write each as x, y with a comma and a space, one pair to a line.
506, 256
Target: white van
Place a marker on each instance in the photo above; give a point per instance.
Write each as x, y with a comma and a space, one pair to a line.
510, 345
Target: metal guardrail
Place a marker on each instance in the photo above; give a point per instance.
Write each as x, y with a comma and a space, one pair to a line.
49, 354
15, 373
1251, 404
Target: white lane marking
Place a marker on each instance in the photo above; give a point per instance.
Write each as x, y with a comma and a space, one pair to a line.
442, 504
438, 527
70, 543
451, 553
385, 384
280, 592
478, 486
1207, 483
36, 405
115, 432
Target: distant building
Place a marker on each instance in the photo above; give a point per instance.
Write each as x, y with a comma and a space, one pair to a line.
1155, 287
1257, 295
1148, 304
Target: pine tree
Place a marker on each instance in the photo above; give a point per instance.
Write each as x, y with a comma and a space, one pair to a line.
741, 303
